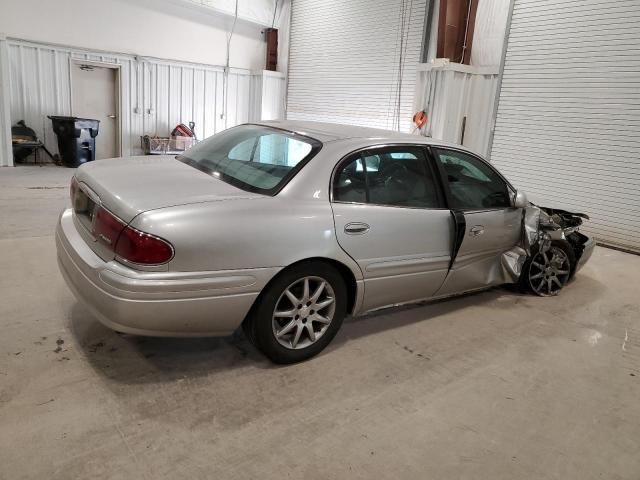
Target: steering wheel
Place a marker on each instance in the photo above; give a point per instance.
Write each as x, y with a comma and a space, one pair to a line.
493, 199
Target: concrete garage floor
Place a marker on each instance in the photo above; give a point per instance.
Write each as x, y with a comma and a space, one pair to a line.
496, 385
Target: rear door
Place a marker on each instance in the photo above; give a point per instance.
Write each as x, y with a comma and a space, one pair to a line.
481, 201
390, 217
94, 95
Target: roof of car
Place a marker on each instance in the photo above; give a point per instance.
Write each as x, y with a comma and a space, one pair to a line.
329, 132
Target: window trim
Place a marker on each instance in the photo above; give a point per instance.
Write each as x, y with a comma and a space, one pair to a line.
433, 151
361, 152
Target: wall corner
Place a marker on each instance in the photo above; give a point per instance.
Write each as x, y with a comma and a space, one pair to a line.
6, 152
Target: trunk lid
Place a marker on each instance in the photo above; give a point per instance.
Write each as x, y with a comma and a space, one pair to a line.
130, 186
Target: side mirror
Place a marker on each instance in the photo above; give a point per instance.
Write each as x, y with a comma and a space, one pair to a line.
520, 200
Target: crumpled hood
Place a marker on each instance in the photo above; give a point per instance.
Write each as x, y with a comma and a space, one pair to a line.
130, 186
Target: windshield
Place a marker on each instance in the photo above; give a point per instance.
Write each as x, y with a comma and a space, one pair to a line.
253, 157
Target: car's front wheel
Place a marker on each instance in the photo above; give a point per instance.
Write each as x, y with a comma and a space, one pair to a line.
299, 313
548, 271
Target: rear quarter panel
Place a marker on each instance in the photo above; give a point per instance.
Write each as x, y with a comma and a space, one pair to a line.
246, 233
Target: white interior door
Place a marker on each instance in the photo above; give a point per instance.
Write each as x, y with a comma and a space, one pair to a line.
94, 95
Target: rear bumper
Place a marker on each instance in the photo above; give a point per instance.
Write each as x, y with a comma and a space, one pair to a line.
155, 303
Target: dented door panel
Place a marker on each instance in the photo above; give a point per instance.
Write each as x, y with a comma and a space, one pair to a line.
479, 260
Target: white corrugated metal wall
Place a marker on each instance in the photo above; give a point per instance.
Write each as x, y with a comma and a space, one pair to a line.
569, 111
489, 32
457, 97
5, 119
462, 97
345, 61
155, 95
268, 95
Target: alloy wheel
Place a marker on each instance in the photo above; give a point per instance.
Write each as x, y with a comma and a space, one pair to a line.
303, 312
549, 271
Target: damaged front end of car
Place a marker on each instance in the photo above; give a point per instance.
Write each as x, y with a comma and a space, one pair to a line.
543, 225
552, 250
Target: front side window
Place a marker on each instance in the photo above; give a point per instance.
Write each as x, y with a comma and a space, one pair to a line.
392, 176
252, 157
473, 185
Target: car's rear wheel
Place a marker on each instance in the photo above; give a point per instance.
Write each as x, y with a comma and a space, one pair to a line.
299, 313
548, 271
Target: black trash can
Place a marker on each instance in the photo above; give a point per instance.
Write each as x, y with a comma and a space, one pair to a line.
76, 139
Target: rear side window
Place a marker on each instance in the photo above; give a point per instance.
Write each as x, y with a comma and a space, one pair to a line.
472, 184
398, 177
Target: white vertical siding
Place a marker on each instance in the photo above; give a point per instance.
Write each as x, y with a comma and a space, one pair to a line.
155, 95
6, 155
451, 92
344, 63
489, 32
268, 95
569, 111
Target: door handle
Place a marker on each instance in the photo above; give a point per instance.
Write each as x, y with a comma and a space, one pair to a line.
477, 230
111, 116
356, 228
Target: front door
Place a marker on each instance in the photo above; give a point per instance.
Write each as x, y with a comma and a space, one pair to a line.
390, 218
95, 96
482, 202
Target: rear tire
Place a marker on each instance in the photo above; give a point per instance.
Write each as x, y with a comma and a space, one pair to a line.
298, 313
546, 273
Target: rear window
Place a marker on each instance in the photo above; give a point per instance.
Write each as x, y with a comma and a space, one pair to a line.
253, 157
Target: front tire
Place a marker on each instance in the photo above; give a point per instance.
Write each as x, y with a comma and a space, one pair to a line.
299, 313
547, 272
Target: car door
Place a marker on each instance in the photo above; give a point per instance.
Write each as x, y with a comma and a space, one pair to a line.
481, 201
390, 217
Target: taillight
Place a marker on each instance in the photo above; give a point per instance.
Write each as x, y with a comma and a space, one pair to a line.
129, 243
140, 247
107, 227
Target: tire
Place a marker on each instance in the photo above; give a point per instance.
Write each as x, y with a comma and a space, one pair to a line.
543, 274
286, 337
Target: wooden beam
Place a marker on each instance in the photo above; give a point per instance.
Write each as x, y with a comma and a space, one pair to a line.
442, 27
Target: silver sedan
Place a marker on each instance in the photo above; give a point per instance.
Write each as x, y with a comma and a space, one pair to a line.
287, 227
